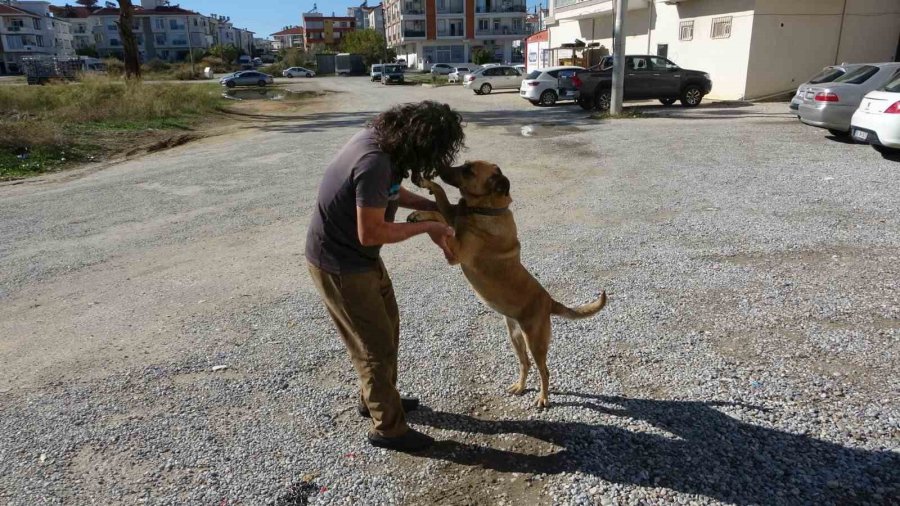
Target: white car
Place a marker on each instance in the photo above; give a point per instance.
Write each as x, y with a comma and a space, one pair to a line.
298, 72
877, 121
459, 73
441, 69
497, 77
550, 85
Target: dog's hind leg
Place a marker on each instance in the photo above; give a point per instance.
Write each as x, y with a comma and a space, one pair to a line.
518, 342
537, 335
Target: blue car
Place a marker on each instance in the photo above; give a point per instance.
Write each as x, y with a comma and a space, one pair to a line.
247, 78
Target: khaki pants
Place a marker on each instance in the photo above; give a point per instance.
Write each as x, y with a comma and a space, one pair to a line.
365, 312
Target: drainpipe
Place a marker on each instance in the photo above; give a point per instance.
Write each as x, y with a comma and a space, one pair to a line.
837, 52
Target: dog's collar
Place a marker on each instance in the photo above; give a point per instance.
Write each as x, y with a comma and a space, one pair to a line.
483, 211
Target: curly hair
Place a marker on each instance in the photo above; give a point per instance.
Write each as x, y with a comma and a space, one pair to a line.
420, 138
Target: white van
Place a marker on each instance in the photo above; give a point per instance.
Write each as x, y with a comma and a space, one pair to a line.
375, 73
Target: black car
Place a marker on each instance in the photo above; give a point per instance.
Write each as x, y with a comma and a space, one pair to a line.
391, 73
646, 77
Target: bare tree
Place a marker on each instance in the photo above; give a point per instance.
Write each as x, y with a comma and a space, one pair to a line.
129, 41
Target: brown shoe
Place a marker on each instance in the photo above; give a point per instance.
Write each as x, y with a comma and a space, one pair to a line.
408, 403
411, 441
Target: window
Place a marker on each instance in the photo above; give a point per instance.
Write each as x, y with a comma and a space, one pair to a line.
39, 41
686, 30
483, 24
496, 25
827, 75
859, 75
636, 63
658, 64
160, 39
37, 24
14, 42
114, 42
893, 86
160, 23
16, 25
721, 28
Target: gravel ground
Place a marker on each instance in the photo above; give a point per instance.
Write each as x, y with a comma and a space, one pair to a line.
749, 353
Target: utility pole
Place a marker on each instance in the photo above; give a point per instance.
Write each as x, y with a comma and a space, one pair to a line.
618, 73
187, 28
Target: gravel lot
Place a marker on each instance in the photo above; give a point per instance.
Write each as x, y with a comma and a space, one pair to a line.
749, 354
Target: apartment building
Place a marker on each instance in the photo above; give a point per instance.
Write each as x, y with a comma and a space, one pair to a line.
751, 48
79, 22
327, 31
368, 17
29, 29
291, 36
450, 31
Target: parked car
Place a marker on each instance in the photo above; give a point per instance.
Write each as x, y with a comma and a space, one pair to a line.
392, 73
297, 72
247, 78
375, 72
877, 120
831, 105
521, 68
550, 85
646, 77
498, 77
441, 69
826, 75
402, 63
459, 73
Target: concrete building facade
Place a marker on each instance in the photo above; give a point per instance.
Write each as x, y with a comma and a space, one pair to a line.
325, 31
29, 29
751, 48
291, 36
425, 32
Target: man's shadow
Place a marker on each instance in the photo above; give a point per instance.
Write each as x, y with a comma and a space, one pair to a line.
696, 450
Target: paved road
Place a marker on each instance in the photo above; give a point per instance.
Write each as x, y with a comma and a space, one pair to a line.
748, 355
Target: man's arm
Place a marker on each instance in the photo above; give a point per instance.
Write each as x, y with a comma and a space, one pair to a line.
410, 200
374, 231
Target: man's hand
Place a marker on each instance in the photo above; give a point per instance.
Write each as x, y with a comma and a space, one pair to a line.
440, 235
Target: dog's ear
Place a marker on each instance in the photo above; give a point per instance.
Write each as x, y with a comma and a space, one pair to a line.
499, 184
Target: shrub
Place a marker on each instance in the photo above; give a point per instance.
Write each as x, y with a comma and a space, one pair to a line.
274, 69
216, 64
114, 67
157, 65
480, 57
184, 73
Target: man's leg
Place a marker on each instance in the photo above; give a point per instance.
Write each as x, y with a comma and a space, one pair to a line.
357, 306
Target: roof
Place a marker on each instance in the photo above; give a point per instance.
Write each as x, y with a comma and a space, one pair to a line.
7, 10
297, 30
139, 11
70, 11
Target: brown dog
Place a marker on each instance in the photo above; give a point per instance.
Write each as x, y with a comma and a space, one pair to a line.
486, 245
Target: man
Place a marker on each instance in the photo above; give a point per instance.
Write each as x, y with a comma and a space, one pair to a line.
358, 200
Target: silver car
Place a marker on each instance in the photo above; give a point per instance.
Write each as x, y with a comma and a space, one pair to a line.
827, 75
498, 77
831, 105
247, 78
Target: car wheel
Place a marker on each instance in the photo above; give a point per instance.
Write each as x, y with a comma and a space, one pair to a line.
667, 101
477, 92
838, 133
309, 74
692, 96
261, 83
289, 76
485, 89
586, 103
603, 99
230, 84
548, 98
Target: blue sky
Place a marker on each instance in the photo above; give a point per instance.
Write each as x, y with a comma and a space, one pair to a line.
268, 16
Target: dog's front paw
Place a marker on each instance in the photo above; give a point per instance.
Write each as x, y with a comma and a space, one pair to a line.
542, 401
516, 389
415, 217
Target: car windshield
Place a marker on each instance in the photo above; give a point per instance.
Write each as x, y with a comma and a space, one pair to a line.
533, 74
827, 75
894, 85
392, 68
859, 75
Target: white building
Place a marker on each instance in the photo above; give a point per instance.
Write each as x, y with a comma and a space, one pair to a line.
450, 31
28, 29
80, 24
375, 19
751, 48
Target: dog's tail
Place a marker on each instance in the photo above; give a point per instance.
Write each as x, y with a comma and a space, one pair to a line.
585, 311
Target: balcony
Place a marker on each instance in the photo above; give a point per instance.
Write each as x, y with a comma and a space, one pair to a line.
505, 30
414, 34
413, 8
500, 7
449, 7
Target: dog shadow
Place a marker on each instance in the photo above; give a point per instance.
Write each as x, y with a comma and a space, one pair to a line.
693, 448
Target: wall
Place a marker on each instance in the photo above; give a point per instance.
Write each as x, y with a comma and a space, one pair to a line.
790, 44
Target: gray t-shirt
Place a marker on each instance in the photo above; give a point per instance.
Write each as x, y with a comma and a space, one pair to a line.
359, 175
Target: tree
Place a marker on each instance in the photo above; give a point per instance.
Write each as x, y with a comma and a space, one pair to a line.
229, 54
368, 43
481, 56
129, 41
87, 3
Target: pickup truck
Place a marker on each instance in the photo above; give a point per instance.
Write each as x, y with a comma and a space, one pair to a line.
646, 77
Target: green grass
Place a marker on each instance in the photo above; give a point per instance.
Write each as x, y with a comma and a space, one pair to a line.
48, 127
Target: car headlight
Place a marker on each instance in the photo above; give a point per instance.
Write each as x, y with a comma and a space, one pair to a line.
706, 76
